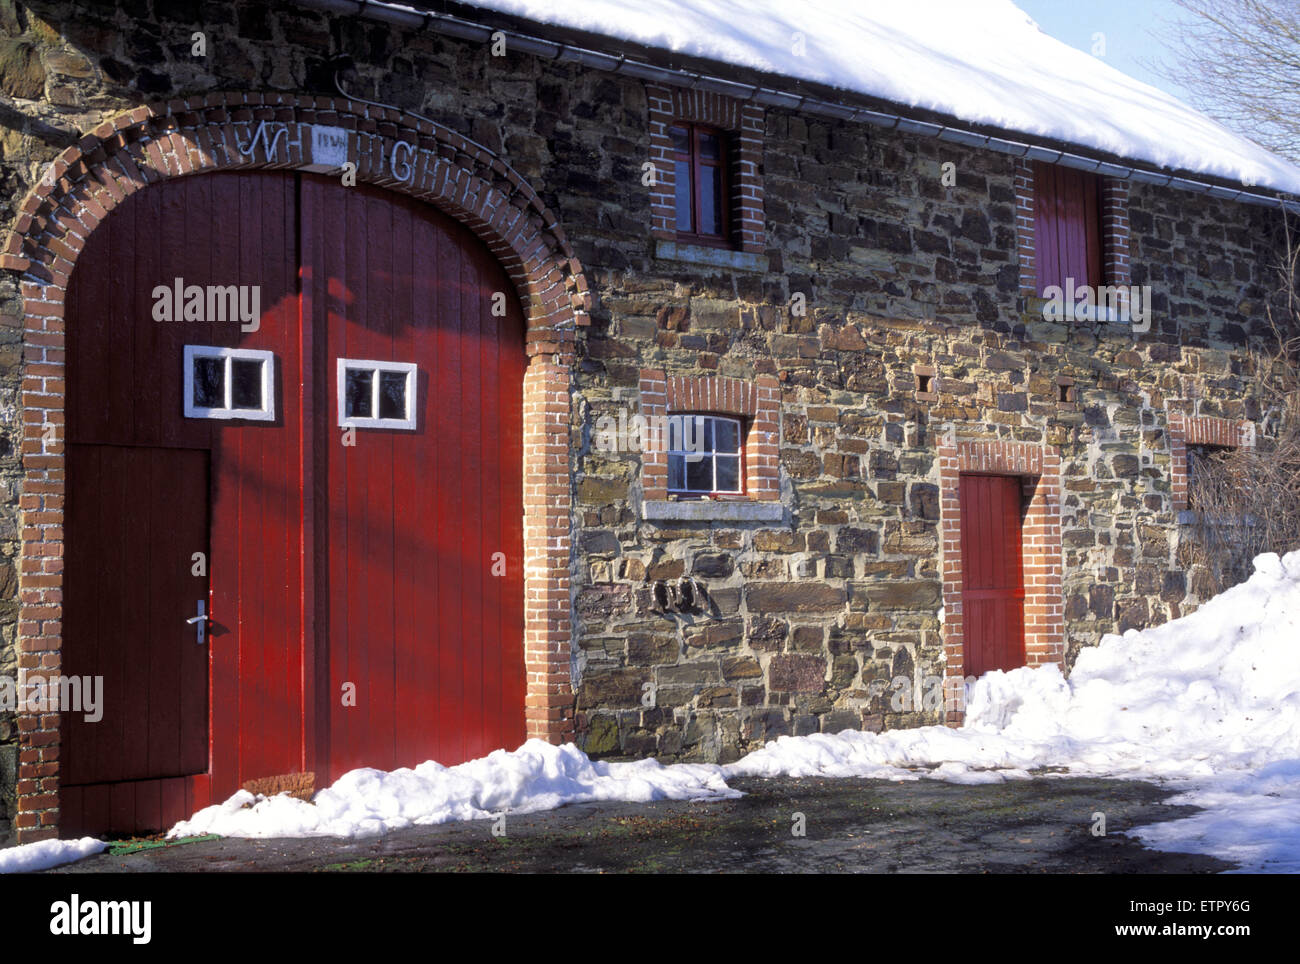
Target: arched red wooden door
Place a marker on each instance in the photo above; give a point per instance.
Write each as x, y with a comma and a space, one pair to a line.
343, 556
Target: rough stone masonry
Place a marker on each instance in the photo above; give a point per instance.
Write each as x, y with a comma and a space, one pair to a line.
698, 639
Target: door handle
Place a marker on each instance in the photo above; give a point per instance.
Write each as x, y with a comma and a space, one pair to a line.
200, 623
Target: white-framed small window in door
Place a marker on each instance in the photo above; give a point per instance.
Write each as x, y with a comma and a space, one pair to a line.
376, 394
229, 383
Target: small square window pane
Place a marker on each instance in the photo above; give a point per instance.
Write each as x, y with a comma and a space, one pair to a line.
392, 395
676, 472
357, 387
245, 383
674, 433
209, 382
683, 189
711, 201
710, 148
728, 473
699, 474
681, 140
726, 436
693, 428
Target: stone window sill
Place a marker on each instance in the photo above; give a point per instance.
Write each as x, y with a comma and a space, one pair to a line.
1049, 310
709, 511
716, 257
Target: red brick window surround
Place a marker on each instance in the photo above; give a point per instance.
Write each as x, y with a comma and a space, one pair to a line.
703, 206
1190, 430
741, 127
756, 403
1039, 469
1112, 202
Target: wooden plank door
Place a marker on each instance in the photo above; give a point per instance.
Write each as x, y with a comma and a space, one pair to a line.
149, 487
993, 590
257, 499
408, 522
394, 564
131, 585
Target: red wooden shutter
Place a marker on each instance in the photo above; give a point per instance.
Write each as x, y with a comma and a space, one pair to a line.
1067, 226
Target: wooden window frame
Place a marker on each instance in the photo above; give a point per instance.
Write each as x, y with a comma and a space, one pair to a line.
696, 163
925, 386
714, 493
408, 369
264, 414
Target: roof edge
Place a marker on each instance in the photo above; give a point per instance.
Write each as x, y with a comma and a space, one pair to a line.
600, 52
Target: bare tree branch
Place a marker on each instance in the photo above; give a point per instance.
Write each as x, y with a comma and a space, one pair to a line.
1240, 61
1246, 501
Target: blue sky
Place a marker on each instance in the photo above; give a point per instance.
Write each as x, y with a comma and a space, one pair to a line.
1134, 31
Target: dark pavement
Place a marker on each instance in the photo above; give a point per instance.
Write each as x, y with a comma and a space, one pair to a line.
870, 826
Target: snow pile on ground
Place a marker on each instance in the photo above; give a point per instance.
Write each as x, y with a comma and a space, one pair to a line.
47, 853
1210, 701
981, 61
537, 776
1251, 818
1217, 690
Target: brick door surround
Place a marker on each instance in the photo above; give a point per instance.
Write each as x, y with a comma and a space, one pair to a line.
1039, 469
242, 131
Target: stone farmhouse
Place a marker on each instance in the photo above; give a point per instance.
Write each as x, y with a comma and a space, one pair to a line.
384, 382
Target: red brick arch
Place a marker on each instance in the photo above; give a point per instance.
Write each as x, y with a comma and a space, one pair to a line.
391, 149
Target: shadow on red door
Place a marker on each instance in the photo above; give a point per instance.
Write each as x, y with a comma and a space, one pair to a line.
357, 616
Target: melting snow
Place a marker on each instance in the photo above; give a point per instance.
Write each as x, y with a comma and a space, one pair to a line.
1209, 703
47, 853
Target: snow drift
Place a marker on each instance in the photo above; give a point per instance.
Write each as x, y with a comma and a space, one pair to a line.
47, 853
537, 776
1215, 691
1209, 702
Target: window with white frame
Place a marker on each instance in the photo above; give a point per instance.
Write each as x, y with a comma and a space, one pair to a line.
704, 455
229, 383
376, 394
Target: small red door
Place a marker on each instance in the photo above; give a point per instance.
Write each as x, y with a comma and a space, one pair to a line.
993, 590
131, 585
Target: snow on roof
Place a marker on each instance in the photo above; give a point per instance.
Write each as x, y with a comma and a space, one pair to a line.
984, 62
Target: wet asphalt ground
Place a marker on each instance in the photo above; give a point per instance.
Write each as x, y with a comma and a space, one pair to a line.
1042, 825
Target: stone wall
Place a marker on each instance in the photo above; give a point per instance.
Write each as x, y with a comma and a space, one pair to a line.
828, 617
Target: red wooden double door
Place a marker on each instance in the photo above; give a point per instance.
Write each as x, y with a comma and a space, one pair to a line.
993, 588
362, 587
